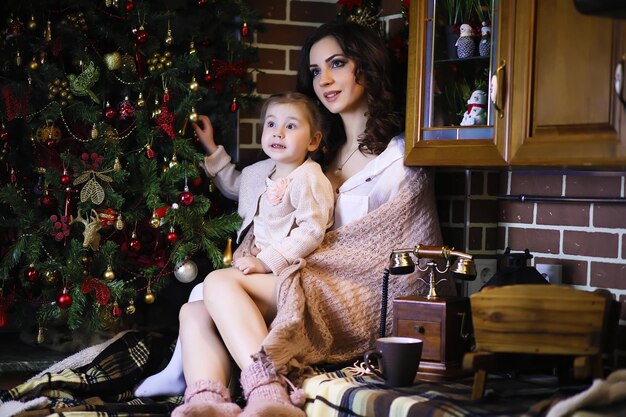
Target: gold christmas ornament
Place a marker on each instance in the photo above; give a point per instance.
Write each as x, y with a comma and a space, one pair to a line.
227, 257
141, 103
149, 297
47, 34
169, 39
119, 223
117, 165
41, 337
154, 220
51, 277
192, 48
33, 65
193, 116
109, 275
130, 308
32, 23
193, 85
113, 60
94, 132
173, 161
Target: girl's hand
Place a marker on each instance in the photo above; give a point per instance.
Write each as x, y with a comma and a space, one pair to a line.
205, 133
250, 265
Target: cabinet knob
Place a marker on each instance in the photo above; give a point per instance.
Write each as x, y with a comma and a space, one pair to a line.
419, 329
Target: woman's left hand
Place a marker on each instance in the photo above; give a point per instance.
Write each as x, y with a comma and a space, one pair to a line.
250, 265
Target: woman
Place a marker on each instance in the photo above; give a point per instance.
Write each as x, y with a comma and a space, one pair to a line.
324, 308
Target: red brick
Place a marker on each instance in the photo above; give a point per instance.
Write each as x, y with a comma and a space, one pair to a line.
624, 247
477, 186
284, 34
563, 214
273, 83
491, 238
310, 11
536, 184
574, 272
450, 183
275, 9
272, 59
251, 112
245, 133
476, 238
493, 183
453, 236
483, 211
514, 212
443, 209
590, 244
612, 215
536, 240
458, 211
294, 59
593, 186
608, 275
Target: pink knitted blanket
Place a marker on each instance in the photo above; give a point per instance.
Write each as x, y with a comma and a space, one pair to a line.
329, 304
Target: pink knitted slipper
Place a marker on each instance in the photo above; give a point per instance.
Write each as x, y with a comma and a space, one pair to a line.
207, 398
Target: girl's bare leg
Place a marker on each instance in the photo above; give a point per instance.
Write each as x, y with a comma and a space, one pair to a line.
171, 380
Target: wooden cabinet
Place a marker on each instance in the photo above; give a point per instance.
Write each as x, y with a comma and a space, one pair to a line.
552, 74
444, 326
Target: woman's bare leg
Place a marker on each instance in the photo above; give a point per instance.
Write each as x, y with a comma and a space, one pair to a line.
171, 380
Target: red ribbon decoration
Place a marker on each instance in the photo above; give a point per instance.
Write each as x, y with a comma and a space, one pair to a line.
103, 294
472, 105
165, 121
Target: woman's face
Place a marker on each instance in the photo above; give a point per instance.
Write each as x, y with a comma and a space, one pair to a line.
334, 79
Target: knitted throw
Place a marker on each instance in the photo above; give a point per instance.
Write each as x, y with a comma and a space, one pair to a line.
329, 304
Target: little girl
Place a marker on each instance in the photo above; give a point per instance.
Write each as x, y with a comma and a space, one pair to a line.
287, 197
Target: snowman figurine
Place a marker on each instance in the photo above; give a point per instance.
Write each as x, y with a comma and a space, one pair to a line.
465, 46
484, 46
476, 113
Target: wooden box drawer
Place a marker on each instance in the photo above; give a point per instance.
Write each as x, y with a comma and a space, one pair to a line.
429, 332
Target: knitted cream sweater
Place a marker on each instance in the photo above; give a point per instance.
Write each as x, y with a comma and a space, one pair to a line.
329, 304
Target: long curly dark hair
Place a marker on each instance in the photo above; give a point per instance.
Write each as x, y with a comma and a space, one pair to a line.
374, 70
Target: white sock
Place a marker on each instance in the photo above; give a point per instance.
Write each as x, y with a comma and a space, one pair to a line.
170, 381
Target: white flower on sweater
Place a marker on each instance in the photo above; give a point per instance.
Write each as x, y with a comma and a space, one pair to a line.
276, 190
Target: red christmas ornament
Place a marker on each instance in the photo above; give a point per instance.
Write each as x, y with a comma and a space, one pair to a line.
116, 311
4, 135
172, 237
233, 106
244, 29
186, 198
64, 300
150, 153
31, 274
65, 179
135, 244
109, 113
202, 2
196, 182
3, 318
47, 200
129, 6
207, 77
141, 36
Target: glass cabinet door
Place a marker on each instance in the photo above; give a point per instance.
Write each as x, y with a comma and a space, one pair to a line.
455, 71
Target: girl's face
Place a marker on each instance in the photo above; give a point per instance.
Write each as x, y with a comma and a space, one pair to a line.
287, 133
334, 79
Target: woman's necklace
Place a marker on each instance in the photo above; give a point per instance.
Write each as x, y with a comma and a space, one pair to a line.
341, 165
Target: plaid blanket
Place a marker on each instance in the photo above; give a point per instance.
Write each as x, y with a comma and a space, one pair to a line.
103, 387
350, 393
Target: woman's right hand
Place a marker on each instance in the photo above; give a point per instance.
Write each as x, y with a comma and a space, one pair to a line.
205, 133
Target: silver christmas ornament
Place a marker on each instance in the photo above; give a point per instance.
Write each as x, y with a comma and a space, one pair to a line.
186, 271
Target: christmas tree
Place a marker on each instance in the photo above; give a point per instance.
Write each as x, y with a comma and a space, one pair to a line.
102, 202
